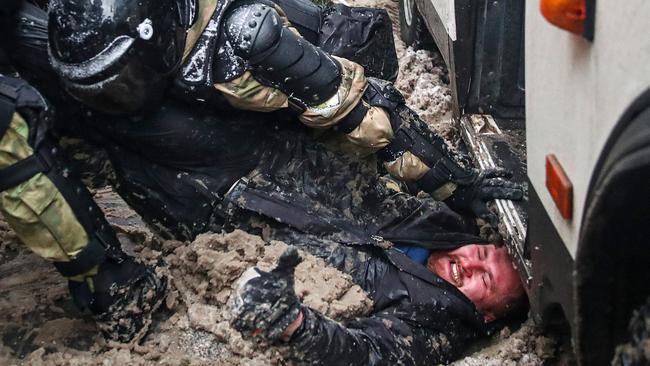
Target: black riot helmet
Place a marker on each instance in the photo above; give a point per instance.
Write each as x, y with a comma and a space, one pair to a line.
117, 55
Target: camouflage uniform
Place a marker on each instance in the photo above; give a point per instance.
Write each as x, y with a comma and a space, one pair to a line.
54, 215
35, 208
265, 56
374, 132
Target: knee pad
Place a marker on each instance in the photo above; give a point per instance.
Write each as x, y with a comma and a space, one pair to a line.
280, 58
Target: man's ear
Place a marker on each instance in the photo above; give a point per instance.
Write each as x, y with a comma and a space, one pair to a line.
489, 317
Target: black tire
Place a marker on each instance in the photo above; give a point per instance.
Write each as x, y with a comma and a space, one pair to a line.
612, 257
412, 29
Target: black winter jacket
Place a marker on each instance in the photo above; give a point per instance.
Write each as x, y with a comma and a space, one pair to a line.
417, 318
336, 209
333, 206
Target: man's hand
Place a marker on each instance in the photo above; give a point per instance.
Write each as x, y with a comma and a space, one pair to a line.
488, 185
267, 304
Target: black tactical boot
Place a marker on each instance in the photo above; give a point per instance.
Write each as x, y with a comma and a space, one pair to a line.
122, 297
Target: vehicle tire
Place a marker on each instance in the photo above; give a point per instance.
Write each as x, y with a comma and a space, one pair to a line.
613, 236
412, 29
637, 351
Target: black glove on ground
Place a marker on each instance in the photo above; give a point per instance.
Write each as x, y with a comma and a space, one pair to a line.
487, 185
267, 303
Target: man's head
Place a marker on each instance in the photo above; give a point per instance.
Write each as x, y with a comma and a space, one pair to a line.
483, 273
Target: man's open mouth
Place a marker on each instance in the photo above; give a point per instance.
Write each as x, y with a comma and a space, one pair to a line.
455, 274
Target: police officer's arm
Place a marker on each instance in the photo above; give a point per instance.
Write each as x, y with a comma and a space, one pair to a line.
329, 92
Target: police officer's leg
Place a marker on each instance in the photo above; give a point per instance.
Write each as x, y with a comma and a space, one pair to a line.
55, 216
334, 92
174, 166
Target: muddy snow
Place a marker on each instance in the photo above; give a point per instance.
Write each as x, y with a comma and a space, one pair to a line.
40, 325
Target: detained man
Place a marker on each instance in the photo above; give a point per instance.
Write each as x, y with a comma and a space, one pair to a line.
421, 315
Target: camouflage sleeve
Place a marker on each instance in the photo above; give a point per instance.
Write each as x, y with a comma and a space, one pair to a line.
35, 209
245, 92
365, 114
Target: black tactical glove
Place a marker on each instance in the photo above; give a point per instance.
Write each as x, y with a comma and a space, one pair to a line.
266, 304
472, 194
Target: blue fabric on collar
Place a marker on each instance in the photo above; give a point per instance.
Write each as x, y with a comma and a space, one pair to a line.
417, 254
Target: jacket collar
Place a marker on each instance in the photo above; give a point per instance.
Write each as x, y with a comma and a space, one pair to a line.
405, 264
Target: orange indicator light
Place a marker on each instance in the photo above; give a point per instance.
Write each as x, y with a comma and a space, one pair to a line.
559, 186
569, 15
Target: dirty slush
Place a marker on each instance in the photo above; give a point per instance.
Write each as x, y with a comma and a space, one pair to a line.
39, 325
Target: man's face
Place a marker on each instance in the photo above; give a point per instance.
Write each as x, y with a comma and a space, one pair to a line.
483, 273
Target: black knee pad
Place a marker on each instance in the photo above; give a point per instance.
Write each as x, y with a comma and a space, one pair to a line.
280, 58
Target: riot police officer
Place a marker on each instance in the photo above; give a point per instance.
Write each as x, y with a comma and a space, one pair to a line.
123, 56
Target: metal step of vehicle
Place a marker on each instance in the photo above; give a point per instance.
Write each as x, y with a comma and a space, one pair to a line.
501, 144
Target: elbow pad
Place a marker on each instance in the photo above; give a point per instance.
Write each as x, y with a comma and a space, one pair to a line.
279, 57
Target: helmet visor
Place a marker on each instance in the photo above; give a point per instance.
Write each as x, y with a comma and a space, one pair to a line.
127, 75
96, 67
133, 90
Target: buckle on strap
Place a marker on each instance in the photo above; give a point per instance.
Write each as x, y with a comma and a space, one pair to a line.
8, 91
23, 170
93, 254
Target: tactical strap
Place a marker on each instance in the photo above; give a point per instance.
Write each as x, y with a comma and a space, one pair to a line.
8, 96
93, 254
353, 119
304, 16
23, 171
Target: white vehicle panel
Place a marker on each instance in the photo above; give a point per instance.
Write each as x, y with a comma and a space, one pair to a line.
577, 90
447, 14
